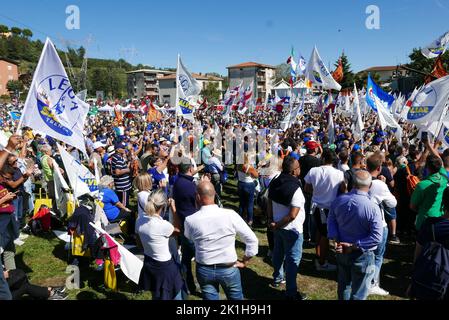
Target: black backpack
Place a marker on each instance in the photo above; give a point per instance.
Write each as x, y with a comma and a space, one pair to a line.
430, 279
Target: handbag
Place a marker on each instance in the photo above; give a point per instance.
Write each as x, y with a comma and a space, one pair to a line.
77, 246
42, 202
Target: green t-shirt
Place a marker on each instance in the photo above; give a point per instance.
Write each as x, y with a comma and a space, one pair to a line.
428, 195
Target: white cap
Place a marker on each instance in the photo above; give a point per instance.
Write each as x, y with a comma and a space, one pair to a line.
98, 144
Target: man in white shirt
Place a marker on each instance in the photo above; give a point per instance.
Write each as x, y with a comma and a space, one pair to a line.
286, 211
324, 182
380, 195
213, 231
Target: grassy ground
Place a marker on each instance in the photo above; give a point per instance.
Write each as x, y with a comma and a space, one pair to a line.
45, 259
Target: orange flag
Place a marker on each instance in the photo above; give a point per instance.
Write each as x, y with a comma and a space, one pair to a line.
118, 115
153, 114
437, 72
338, 73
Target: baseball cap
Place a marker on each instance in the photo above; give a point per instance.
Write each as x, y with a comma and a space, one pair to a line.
98, 144
309, 130
306, 139
120, 145
356, 147
311, 144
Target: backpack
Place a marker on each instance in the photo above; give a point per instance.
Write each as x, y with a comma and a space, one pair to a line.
430, 279
412, 181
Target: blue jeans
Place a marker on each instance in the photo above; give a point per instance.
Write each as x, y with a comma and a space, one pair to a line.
379, 256
18, 208
188, 252
5, 294
287, 252
210, 278
246, 195
355, 272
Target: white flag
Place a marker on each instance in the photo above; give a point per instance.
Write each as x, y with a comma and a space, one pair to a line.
437, 47
357, 126
317, 73
331, 128
386, 119
51, 105
129, 263
80, 178
61, 196
429, 103
187, 88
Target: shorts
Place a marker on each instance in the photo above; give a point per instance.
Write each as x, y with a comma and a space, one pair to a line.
390, 214
320, 216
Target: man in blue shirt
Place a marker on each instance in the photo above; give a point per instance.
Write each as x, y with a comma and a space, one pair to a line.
355, 224
184, 191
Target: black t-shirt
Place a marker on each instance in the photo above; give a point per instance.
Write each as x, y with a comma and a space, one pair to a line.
441, 227
307, 162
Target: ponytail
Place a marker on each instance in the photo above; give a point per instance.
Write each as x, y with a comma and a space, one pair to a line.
156, 200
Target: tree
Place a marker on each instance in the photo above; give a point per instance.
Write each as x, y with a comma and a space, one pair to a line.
348, 75
14, 87
420, 63
361, 78
211, 93
16, 31
282, 73
3, 28
27, 33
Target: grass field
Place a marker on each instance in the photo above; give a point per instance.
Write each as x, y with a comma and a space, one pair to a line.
45, 259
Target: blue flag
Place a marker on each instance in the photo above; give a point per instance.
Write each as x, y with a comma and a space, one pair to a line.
15, 115
372, 89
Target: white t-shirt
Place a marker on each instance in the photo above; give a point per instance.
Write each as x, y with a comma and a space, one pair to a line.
379, 193
343, 167
325, 181
280, 211
142, 198
154, 233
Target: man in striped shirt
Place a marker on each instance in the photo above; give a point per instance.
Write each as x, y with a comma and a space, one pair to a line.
121, 173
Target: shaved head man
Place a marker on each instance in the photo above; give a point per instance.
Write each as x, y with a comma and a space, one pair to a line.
213, 231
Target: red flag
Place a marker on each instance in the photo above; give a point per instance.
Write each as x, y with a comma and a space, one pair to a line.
203, 105
438, 71
338, 73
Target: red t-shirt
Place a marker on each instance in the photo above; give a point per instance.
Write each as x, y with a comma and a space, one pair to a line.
5, 207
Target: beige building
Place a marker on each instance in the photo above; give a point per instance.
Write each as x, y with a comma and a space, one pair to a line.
9, 70
387, 73
145, 82
262, 75
167, 86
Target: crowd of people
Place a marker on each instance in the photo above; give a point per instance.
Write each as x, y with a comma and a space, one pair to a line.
349, 198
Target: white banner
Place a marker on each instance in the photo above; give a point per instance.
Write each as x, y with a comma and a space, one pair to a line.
81, 179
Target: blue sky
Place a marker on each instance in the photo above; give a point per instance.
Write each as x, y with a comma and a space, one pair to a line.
211, 35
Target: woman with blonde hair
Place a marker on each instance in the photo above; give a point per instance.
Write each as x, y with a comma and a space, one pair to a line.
143, 183
246, 187
160, 273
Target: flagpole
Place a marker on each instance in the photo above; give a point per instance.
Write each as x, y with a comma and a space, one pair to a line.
177, 97
440, 122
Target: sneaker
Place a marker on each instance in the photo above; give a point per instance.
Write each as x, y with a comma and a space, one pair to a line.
58, 296
376, 290
60, 290
394, 240
325, 267
299, 296
277, 284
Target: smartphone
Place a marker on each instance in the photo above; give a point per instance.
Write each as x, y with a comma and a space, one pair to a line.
424, 136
